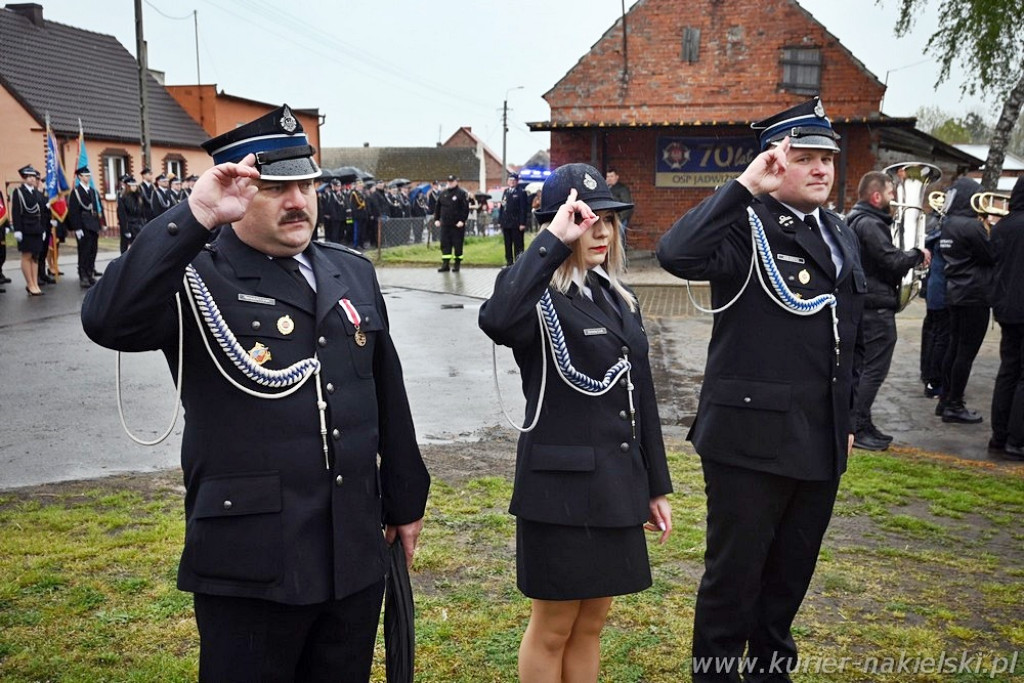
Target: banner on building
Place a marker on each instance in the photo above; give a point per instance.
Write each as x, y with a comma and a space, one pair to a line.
702, 162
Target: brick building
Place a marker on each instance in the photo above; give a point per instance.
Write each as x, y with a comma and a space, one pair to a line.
668, 102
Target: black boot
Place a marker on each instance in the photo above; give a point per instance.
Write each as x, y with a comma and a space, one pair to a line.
445, 266
957, 412
84, 282
458, 264
940, 406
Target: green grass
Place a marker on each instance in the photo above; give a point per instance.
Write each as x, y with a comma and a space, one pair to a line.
923, 557
477, 251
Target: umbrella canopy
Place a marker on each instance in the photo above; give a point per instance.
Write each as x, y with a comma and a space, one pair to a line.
346, 174
482, 196
400, 182
399, 618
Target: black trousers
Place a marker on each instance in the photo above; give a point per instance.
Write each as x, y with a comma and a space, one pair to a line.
451, 242
934, 342
42, 254
1008, 393
763, 536
967, 327
332, 231
242, 640
513, 244
874, 359
87, 247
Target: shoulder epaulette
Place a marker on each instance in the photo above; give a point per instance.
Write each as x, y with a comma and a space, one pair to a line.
342, 248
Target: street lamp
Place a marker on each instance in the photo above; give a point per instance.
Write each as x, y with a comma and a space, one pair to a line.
504, 133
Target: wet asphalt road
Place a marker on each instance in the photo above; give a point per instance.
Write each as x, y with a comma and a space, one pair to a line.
57, 391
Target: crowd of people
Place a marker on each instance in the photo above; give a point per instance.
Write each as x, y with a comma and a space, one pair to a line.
290, 517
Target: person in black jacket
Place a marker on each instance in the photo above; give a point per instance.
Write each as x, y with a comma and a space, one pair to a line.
30, 220
935, 328
592, 473
773, 426
450, 215
289, 503
513, 218
1008, 307
160, 200
131, 212
85, 223
968, 252
884, 267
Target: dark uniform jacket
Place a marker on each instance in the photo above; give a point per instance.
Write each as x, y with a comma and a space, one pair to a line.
967, 250
515, 208
773, 398
581, 465
452, 207
265, 516
1008, 276
29, 214
160, 201
147, 190
884, 264
82, 210
131, 213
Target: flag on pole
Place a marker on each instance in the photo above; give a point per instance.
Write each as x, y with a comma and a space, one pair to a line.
83, 160
56, 182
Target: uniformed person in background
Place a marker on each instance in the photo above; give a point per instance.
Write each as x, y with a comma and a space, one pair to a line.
450, 215
513, 218
146, 189
177, 194
773, 426
188, 184
360, 213
131, 214
285, 501
30, 221
85, 223
161, 199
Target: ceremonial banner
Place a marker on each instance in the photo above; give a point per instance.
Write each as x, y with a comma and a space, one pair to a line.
56, 183
3, 213
83, 160
702, 162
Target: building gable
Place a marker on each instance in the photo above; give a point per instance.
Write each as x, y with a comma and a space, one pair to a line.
71, 74
711, 60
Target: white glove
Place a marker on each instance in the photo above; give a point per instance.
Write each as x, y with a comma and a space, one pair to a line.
127, 235
53, 222
79, 234
17, 235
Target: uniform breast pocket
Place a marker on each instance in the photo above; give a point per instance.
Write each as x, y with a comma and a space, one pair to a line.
362, 341
797, 275
236, 531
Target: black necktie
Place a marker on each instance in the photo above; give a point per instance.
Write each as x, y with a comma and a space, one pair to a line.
824, 251
599, 294
292, 267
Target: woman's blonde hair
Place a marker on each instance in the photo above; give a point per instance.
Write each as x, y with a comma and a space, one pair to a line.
614, 264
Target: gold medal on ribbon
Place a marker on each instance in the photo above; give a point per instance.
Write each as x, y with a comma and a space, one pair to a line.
259, 353
803, 276
360, 337
285, 324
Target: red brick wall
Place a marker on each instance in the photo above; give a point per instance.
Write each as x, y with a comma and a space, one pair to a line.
736, 79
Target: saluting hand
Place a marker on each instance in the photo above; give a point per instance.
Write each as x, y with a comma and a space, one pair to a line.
222, 193
572, 220
764, 174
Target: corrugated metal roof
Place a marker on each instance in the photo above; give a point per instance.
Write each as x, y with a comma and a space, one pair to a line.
73, 73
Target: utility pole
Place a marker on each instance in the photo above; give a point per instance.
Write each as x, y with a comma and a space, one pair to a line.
141, 58
504, 133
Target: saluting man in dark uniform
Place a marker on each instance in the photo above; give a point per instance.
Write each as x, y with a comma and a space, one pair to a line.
85, 223
514, 215
285, 501
451, 214
773, 426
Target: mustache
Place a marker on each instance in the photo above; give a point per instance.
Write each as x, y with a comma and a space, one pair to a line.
292, 216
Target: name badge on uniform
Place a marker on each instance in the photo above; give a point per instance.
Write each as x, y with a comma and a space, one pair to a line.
253, 299
787, 257
594, 331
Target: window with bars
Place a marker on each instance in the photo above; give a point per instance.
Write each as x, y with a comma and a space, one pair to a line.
801, 69
691, 44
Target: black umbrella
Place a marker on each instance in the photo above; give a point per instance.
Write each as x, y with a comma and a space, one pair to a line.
400, 182
482, 196
346, 174
399, 618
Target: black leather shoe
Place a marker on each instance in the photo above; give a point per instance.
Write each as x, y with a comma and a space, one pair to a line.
995, 446
84, 282
866, 441
46, 279
940, 407
931, 391
878, 434
96, 274
957, 413
1013, 452
4, 280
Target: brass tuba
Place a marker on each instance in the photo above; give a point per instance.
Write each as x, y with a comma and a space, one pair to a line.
911, 181
937, 200
990, 203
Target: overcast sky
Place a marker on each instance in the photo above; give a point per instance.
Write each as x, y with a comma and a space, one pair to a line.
409, 73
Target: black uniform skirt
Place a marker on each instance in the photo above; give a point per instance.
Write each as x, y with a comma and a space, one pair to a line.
30, 244
555, 562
